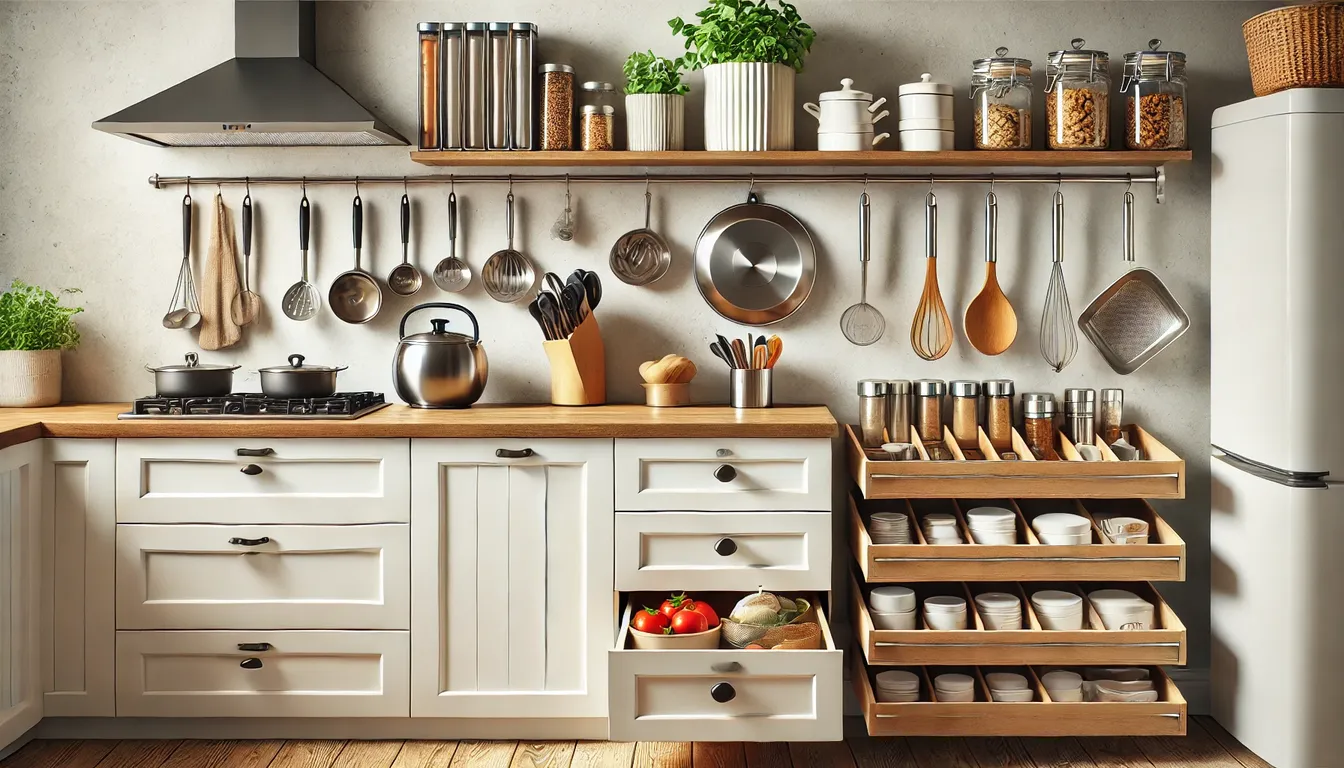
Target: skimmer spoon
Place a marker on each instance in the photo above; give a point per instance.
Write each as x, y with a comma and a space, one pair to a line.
862, 323
452, 274
302, 300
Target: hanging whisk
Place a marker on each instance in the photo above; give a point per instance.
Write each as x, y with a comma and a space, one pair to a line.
1059, 337
931, 332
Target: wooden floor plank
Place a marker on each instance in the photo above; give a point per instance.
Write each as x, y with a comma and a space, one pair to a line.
484, 754
543, 754
940, 752
60, 753
821, 754
140, 753
1239, 752
881, 753
308, 754
603, 754
1196, 749
425, 754
998, 752
663, 754
368, 754
718, 754
1112, 752
1057, 753
767, 754
199, 753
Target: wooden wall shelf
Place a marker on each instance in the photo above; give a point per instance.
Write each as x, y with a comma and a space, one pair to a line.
874, 160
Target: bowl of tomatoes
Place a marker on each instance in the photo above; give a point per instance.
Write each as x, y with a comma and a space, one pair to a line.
680, 623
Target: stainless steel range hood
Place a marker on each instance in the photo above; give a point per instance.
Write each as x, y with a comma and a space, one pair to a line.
270, 94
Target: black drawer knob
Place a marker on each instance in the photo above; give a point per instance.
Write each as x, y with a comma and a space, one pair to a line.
725, 473
254, 647
509, 453
250, 663
237, 542
725, 546
723, 692
251, 469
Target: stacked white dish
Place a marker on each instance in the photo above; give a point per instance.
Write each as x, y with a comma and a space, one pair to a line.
897, 685
1058, 610
845, 119
992, 525
1119, 684
1008, 686
1125, 530
941, 528
999, 610
1063, 685
1062, 528
944, 612
926, 123
1121, 609
889, 528
954, 687
892, 607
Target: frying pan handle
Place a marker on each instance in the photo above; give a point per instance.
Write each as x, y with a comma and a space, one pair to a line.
357, 221
931, 226
865, 228
991, 228
247, 225
452, 215
186, 225
304, 211
475, 327
1127, 226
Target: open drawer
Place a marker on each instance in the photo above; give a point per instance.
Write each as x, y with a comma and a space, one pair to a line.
1040, 717
1162, 559
1029, 645
768, 695
944, 470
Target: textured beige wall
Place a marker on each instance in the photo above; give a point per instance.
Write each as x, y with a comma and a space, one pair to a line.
75, 209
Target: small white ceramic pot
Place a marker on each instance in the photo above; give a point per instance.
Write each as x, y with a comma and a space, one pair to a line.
927, 141
846, 110
849, 142
30, 379
748, 107
655, 122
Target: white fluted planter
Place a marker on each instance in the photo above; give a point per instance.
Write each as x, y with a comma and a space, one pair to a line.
30, 378
655, 122
748, 107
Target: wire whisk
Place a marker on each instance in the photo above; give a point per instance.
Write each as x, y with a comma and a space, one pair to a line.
931, 331
1059, 337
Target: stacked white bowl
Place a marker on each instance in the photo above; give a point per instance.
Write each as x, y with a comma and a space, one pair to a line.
889, 528
892, 607
944, 612
992, 525
1063, 685
897, 685
846, 119
1121, 609
1118, 684
954, 687
1125, 530
1058, 610
941, 528
999, 610
1062, 528
1008, 686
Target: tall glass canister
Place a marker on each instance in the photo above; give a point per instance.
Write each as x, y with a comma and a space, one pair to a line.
452, 136
1001, 90
430, 68
523, 45
1155, 106
1077, 93
556, 107
476, 85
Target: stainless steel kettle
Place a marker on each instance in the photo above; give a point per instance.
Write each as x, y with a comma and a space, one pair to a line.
440, 368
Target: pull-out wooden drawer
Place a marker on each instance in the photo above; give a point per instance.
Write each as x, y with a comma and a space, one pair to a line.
780, 551
263, 674
263, 576
713, 474
263, 481
725, 695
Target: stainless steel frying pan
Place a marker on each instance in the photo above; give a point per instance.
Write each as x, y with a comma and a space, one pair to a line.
755, 263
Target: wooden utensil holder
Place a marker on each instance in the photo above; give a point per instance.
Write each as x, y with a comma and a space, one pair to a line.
578, 366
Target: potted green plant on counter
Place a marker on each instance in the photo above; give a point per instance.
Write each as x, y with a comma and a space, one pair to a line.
34, 328
655, 103
750, 51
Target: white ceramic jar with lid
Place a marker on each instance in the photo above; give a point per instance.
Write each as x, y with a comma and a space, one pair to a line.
846, 110
925, 100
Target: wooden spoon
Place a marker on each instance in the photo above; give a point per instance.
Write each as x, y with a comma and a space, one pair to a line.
991, 324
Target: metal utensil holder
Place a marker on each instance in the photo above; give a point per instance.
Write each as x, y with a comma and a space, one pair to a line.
751, 388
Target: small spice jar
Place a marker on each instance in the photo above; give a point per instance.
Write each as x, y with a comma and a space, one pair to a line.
1111, 414
929, 409
1154, 91
999, 413
1001, 90
966, 413
598, 130
1077, 90
898, 410
1080, 408
873, 412
1038, 417
557, 107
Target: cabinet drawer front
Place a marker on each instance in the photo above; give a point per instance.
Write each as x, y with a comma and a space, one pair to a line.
723, 550
301, 674
263, 577
710, 474
295, 481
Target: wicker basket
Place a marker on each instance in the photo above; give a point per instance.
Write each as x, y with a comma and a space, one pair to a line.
1300, 46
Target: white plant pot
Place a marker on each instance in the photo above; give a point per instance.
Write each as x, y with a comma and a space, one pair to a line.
748, 107
30, 378
655, 122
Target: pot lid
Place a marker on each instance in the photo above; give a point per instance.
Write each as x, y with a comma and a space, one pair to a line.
296, 365
846, 93
439, 335
925, 85
193, 363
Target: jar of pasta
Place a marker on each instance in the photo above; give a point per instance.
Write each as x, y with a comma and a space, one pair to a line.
1001, 90
1154, 91
1077, 90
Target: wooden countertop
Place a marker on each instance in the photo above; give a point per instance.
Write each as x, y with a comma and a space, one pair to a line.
20, 425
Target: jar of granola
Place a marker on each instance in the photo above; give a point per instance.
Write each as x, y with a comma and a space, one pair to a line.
1001, 90
1154, 90
1077, 90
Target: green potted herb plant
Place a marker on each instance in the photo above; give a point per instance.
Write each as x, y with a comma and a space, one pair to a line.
750, 51
34, 328
655, 103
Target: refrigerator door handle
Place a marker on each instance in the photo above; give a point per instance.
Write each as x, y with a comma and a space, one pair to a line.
1272, 474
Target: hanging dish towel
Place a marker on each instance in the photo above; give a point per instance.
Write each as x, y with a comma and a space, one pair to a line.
218, 330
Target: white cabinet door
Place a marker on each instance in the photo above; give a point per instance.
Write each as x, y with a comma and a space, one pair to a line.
20, 590
512, 576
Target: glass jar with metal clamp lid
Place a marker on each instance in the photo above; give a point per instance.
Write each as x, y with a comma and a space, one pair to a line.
1077, 94
1154, 90
1001, 90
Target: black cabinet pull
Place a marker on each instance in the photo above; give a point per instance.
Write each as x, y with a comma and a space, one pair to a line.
725, 473
257, 452
725, 667
725, 546
250, 542
723, 692
254, 647
255, 663
251, 469
509, 453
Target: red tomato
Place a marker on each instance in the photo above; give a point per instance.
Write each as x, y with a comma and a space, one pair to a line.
689, 622
649, 620
705, 610
675, 603
754, 647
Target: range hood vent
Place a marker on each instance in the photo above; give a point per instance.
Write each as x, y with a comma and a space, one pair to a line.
270, 94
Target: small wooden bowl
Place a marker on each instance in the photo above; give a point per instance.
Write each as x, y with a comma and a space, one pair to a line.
699, 641
667, 395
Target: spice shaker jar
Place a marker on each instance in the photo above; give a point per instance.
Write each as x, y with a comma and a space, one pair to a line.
929, 409
1153, 86
966, 413
1111, 414
1001, 90
1080, 406
1077, 90
557, 107
431, 109
999, 413
873, 411
1038, 418
898, 410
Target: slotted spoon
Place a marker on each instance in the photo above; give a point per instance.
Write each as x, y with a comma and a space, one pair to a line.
931, 331
1059, 338
452, 274
862, 324
302, 299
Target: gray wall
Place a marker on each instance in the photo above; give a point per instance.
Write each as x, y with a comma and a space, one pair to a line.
76, 211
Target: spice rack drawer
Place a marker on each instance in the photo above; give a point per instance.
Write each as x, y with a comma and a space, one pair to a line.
1040, 717
1162, 559
1165, 644
714, 475
1161, 475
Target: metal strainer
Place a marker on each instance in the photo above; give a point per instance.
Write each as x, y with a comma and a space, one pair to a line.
862, 324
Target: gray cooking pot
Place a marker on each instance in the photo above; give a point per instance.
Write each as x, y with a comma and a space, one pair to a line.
193, 379
296, 380
440, 369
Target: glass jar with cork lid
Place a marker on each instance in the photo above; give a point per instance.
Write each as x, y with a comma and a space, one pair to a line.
1077, 94
1001, 90
1154, 91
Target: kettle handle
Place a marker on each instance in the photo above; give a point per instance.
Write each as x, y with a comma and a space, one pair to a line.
475, 327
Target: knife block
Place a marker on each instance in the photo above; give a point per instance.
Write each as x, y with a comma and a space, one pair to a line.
578, 366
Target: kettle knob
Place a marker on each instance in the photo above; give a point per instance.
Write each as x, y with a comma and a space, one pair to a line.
439, 325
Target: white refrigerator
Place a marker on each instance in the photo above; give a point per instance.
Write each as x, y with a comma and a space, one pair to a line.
1277, 434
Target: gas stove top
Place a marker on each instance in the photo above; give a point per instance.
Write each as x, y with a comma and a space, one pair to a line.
249, 405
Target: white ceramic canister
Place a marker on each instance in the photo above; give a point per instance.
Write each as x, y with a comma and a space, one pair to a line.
846, 110
655, 122
925, 100
927, 141
849, 142
748, 107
